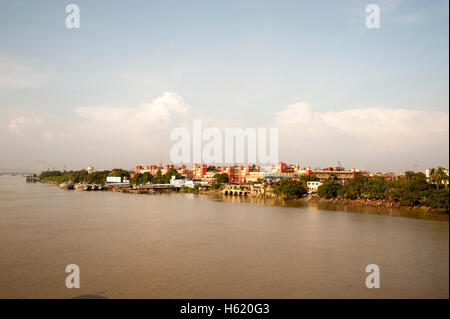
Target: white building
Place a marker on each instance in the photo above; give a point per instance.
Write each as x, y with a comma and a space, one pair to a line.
182, 182
313, 186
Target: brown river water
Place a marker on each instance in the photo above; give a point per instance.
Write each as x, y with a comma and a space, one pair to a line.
199, 246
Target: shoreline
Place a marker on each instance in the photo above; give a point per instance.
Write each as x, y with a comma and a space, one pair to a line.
356, 204
381, 206
375, 204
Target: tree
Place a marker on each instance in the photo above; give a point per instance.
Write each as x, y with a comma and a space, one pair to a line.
375, 188
136, 180
215, 186
438, 199
172, 172
329, 189
354, 187
410, 190
98, 177
79, 176
119, 172
289, 188
221, 178
47, 174
438, 176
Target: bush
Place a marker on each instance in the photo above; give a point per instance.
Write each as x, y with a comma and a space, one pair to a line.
353, 188
329, 189
288, 188
410, 190
215, 186
47, 174
375, 188
221, 178
437, 199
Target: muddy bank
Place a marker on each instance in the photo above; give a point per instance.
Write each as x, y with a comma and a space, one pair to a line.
380, 203
356, 204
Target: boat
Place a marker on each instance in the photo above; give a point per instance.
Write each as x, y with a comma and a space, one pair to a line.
82, 187
66, 185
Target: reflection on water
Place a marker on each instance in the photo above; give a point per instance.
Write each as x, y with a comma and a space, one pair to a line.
312, 205
198, 246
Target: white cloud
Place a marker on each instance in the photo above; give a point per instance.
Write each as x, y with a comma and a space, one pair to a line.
379, 137
395, 129
145, 126
156, 112
19, 123
104, 113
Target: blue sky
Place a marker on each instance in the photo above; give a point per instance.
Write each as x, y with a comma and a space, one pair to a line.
240, 62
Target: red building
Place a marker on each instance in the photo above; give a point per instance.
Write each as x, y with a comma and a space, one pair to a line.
230, 171
199, 170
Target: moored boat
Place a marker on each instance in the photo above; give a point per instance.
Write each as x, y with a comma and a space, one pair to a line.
82, 187
66, 185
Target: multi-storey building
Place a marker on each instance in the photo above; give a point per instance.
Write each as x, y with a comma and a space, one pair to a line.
198, 171
230, 170
166, 168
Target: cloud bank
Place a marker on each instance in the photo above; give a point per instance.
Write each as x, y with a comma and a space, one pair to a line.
373, 127
373, 137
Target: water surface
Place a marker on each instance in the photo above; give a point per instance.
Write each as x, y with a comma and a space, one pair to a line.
197, 246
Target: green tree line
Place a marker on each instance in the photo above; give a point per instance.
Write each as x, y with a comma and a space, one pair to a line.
411, 190
158, 178
82, 176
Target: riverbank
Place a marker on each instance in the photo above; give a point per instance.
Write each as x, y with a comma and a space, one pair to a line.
345, 203
354, 203
381, 203
310, 198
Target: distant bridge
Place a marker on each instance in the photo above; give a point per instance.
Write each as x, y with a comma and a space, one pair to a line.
35, 167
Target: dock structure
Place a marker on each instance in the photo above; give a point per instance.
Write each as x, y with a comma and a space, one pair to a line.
236, 190
148, 189
31, 178
162, 186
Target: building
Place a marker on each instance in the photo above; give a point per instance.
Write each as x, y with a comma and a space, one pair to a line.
151, 169
341, 175
255, 177
90, 169
198, 171
246, 172
166, 168
273, 177
313, 186
240, 174
182, 182
230, 170
209, 176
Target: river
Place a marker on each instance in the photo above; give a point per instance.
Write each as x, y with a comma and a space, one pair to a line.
199, 246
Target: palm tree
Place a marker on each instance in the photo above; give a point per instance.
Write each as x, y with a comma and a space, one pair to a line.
438, 176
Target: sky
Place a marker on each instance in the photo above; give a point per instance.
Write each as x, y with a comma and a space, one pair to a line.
109, 93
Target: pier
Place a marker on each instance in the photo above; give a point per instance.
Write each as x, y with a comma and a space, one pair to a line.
31, 178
